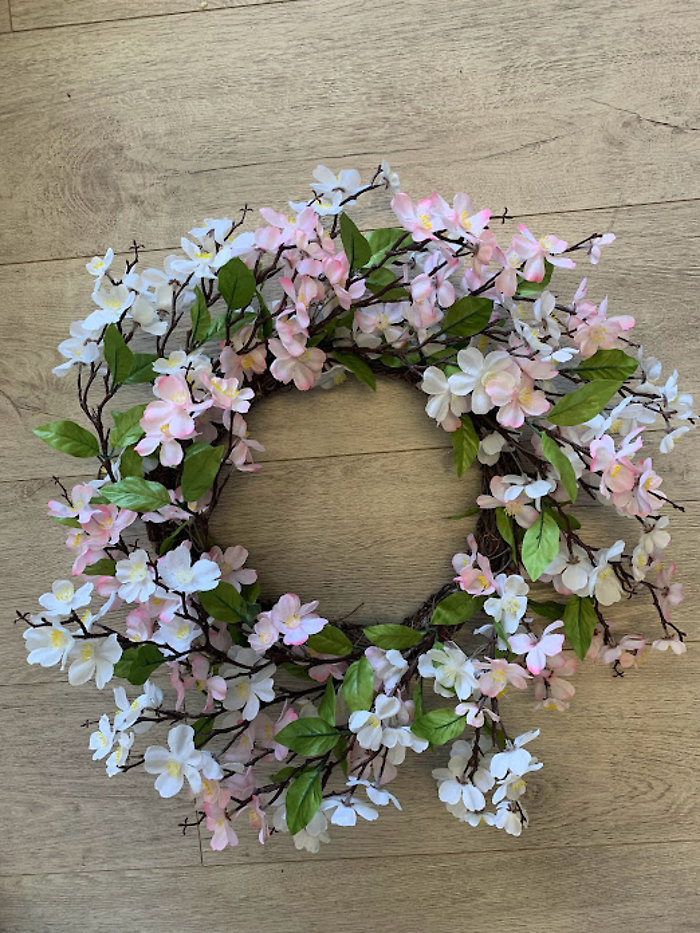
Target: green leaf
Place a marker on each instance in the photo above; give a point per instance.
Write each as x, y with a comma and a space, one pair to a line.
380, 280
533, 289
548, 609
504, 523
130, 463
465, 444
474, 510
141, 369
141, 495
566, 521
540, 545
127, 430
224, 603
456, 609
309, 736
101, 568
608, 364
303, 799
439, 726
561, 464
137, 664
202, 728
202, 463
579, 623
393, 636
330, 640
584, 403
283, 774
357, 366
69, 437
468, 316
222, 322
300, 673
356, 247
167, 544
383, 240
418, 701
236, 284
326, 708
68, 522
200, 318
358, 685
119, 358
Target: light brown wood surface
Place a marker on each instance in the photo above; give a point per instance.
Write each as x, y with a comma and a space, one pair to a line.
124, 119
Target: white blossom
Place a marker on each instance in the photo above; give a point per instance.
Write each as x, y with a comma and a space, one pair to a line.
94, 657
179, 762
453, 671
47, 645
64, 599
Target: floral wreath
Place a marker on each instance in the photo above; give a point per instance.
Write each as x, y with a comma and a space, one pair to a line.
277, 716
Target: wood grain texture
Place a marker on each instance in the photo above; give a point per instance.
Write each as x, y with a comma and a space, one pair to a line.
111, 113
41, 14
5, 21
444, 891
584, 120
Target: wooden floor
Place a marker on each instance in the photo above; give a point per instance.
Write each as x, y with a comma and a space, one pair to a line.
123, 119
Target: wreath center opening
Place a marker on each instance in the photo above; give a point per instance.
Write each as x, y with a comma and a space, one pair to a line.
352, 501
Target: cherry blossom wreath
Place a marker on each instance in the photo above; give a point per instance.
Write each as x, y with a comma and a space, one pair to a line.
277, 717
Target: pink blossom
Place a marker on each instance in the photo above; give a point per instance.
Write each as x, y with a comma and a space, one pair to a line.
103, 528
337, 269
169, 419
303, 369
321, 672
473, 571
551, 690
231, 563
219, 824
227, 393
537, 650
139, 624
498, 673
669, 594
594, 330
294, 621
303, 293
423, 219
241, 456
618, 473
518, 508
517, 401
287, 231
383, 320
79, 505
258, 820
464, 219
649, 481
242, 365
627, 653
214, 685
595, 245
535, 252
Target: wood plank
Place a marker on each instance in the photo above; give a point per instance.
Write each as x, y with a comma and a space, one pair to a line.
42, 14
113, 162
393, 894
5, 21
40, 305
